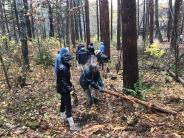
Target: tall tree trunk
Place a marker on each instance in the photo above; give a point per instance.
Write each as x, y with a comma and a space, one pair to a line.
119, 26
169, 25
80, 23
28, 23
97, 19
84, 22
2, 25
111, 20
6, 21
76, 22
32, 20
158, 32
87, 22
23, 36
16, 15
104, 25
14, 28
129, 44
5, 71
175, 34
51, 33
144, 21
138, 18
72, 25
67, 24
151, 21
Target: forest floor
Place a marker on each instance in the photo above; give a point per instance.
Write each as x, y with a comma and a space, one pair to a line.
33, 111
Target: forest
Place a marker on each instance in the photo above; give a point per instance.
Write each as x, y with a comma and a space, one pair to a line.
92, 68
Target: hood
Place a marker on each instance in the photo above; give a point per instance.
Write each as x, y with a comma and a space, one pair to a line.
101, 43
63, 51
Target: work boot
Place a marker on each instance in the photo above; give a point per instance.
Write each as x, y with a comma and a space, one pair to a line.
63, 116
72, 125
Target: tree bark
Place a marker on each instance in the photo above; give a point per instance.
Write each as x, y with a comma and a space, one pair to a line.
175, 35
111, 20
151, 21
97, 20
104, 25
67, 24
28, 23
87, 22
51, 33
129, 44
158, 32
23, 36
72, 25
5, 72
169, 25
119, 26
2, 25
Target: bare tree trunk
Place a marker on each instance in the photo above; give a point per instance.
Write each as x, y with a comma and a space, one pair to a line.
138, 18
111, 20
158, 32
6, 20
2, 25
23, 36
129, 44
175, 35
97, 19
169, 25
119, 26
151, 21
5, 71
51, 33
14, 28
28, 23
87, 21
67, 25
144, 20
72, 25
104, 25
80, 23
16, 15
32, 20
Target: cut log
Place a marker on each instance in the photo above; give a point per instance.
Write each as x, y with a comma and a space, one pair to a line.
148, 105
174, 76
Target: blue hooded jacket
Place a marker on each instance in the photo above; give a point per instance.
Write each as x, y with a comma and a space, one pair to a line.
102, 48
58, 59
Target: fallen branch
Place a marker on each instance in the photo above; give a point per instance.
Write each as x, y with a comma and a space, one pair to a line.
146, 104
174, 76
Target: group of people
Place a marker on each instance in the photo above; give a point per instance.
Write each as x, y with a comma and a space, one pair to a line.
90, 79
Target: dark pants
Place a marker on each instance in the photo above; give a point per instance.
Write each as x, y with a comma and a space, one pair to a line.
66, 104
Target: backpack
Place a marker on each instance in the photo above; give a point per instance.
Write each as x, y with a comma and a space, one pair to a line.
102, 58
91, 49
83, 56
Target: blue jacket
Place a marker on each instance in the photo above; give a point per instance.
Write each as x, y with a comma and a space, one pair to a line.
58, 59
102, 48
64, 84
87, 79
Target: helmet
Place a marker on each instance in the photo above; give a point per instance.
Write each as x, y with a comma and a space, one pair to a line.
66, 57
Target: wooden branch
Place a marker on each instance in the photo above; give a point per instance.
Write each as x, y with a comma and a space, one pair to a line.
146, 104
174, 76
74, 9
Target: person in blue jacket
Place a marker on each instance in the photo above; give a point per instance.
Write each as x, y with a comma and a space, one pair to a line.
90, 79
102, 47
65, 87
58, 59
